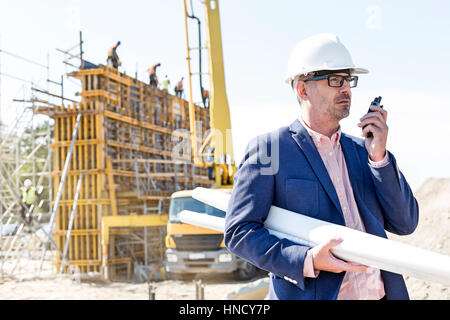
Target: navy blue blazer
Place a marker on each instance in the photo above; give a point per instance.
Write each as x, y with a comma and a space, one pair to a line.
284, 168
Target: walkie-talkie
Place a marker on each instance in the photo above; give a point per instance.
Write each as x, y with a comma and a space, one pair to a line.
376, 102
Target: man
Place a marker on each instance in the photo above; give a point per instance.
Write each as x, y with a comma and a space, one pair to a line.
205, 98
28, 199
317, 170
113, 58
165, 84
179, 88
152, 74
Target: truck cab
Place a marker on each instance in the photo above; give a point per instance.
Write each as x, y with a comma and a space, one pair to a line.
194, 250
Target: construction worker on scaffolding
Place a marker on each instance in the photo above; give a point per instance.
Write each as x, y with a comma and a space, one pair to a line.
29, 196
205, 98
165, 84
179, 88
152, 72
113, 58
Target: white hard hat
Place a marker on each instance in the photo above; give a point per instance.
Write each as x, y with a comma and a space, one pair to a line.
322, 51
27, 183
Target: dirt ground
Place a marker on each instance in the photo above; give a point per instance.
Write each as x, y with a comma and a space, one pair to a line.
217, 287
432, 234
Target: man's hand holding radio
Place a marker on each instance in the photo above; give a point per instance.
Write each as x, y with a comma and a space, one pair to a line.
375, 122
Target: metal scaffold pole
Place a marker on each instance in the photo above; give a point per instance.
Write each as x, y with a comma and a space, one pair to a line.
60, 189
72, 218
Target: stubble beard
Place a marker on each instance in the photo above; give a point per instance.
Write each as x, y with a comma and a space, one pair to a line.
336, 112
342, 112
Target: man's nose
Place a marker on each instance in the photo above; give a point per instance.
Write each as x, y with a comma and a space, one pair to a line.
345, 87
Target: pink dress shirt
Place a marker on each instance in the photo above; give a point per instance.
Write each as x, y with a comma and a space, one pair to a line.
366, 285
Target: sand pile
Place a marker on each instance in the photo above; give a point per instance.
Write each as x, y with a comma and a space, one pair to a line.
432, 233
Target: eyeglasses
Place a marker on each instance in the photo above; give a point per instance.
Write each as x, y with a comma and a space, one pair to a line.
337, 81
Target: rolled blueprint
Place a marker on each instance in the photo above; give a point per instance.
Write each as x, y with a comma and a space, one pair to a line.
359, 247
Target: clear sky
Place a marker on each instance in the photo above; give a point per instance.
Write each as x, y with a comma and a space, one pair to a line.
404, 44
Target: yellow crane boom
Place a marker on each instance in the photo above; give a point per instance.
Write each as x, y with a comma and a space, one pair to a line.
219, 138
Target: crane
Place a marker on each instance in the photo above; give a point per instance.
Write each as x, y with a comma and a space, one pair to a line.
219, 139
190, 249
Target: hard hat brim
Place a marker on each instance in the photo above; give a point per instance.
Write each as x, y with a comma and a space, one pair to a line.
359, 70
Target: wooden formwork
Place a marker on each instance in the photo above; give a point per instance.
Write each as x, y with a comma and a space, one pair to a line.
124, 148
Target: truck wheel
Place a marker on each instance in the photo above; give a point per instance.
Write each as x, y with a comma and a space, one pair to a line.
246, 271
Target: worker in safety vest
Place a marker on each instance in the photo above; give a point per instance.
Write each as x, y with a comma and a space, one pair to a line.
152, 72
113, 58
29, 197
179, 88
165, 84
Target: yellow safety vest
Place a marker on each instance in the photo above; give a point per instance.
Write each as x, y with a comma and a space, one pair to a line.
28, 196
165, 84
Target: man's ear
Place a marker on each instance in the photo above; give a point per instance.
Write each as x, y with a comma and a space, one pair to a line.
300, 88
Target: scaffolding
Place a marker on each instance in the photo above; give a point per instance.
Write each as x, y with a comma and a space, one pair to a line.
125, 150
20, 242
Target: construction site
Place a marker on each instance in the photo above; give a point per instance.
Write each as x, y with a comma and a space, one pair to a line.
103, 169
110, 171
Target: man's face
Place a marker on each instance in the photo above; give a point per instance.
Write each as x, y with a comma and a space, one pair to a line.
329, 103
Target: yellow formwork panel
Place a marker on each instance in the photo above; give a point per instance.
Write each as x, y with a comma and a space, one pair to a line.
124, 150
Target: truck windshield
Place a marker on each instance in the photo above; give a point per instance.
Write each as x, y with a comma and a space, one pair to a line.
188, 203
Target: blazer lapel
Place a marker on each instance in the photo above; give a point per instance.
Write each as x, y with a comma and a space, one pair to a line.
353, 162
304, 141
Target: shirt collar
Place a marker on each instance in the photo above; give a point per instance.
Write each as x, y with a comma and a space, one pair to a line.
319, 138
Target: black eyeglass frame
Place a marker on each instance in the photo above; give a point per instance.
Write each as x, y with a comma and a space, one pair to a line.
349, 79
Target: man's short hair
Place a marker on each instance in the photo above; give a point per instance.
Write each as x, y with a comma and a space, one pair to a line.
296, 80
